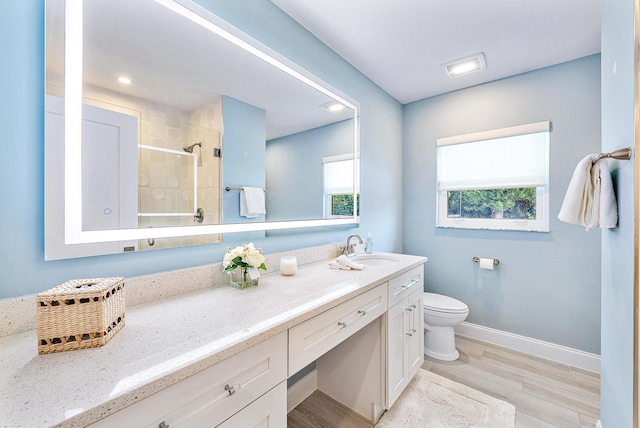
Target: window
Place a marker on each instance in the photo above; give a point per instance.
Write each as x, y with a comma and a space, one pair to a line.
338, 175
495, 179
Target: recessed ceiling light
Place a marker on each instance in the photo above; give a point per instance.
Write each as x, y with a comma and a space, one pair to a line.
124, 80
334, 107
466, 65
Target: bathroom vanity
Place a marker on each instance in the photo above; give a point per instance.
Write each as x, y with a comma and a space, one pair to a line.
222, 356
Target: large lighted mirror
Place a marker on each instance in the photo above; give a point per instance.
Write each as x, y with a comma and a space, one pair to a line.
167, 126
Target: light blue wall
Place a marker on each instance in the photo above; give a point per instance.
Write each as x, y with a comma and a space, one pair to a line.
547, 285
618, 253
243, 161
22, 266
295, 184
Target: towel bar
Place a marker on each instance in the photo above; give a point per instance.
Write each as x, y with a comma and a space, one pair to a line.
622, 154
228, 189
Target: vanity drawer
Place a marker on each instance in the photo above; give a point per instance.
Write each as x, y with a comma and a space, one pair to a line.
316, 336
403, 285
211, 396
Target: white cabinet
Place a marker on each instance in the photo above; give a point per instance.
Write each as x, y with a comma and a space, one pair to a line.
268, 411
367, 349
215, 394
405, 341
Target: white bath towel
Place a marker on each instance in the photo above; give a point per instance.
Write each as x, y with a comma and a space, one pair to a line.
608, 208
590, 200
252, 202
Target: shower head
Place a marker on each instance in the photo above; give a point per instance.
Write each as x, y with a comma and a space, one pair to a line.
189, 149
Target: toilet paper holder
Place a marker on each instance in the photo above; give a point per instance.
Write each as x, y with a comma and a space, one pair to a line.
477, 259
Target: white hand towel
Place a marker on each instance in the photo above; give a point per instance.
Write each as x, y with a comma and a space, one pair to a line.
344, 260
252, 202
590, 200
336, 265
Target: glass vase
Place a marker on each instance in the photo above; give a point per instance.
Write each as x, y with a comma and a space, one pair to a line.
239, 278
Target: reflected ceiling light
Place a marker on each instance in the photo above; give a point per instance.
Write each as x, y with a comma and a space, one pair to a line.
124, 80
466, 65
334, 107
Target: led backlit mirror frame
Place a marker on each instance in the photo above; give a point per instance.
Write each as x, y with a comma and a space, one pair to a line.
73, 128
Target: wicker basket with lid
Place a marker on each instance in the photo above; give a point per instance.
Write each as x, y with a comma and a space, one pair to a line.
81, 313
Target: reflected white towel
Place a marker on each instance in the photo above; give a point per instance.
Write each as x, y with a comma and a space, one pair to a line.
590, 200
252, 202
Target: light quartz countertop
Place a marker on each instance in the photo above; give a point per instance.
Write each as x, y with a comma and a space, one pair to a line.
166, 341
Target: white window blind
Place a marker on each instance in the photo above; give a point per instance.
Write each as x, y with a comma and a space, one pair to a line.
512, 157
338, 174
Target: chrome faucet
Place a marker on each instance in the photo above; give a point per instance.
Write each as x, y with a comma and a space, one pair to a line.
348, 249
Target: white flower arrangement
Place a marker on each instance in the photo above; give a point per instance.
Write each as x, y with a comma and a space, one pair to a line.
247, 257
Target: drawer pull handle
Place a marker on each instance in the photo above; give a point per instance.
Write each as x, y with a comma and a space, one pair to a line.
342, 324
409, 309
409, 334
230, 389
413, 305
163, 424
363, 313
409, 284
413, 330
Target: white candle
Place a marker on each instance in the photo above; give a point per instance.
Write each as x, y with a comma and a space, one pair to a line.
288, 265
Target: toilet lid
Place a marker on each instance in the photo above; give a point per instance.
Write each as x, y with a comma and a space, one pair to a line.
440, 303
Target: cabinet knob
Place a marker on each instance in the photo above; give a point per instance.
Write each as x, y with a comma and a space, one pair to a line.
409, 334
413, 330
409, 309
413, 305
342, 324
163, 424
230, 389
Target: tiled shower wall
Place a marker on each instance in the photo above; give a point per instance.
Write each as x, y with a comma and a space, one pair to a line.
165, 183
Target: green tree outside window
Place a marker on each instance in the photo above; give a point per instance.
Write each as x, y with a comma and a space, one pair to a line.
518, 204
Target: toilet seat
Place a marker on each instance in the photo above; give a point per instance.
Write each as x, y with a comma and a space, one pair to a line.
443, 304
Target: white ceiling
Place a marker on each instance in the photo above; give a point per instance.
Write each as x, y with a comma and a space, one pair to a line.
401, 44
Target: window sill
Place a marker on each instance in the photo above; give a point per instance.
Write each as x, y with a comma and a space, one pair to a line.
493, 224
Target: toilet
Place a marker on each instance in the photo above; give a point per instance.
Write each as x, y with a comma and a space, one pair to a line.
441, 314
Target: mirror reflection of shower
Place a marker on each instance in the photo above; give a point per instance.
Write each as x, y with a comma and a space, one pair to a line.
189, 149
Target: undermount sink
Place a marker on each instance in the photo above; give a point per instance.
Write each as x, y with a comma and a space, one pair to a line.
375, 259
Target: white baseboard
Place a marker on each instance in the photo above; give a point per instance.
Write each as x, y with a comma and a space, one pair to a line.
299, 391
538, 348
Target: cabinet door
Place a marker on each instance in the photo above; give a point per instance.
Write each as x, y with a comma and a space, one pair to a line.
397, 370
415, 339
268, 411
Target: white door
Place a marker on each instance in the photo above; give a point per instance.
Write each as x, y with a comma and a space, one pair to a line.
109, 178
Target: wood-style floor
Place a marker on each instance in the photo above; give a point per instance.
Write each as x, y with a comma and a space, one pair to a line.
545, 394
